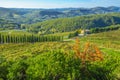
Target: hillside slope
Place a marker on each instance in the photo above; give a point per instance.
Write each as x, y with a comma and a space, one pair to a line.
74, 23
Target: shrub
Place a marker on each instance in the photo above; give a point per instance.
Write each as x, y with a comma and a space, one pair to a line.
85, 63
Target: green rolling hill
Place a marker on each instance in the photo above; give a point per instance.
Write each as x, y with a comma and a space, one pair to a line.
75, 23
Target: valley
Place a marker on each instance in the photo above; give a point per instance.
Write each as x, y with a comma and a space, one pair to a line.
60, 44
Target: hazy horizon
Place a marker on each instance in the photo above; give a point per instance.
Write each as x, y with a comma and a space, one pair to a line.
58, 4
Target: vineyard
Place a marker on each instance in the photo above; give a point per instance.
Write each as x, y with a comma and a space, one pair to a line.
81, 59
109, 39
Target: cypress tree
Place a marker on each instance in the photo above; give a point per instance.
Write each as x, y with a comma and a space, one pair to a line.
0, 38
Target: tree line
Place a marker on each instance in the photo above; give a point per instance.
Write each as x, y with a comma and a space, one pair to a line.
109, 28
6, 38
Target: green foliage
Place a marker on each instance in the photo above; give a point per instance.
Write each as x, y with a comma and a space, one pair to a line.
10, 38
73, 34
55, 65
8, 25
3, 67
109, 28
75, 23
59, 65
17, 70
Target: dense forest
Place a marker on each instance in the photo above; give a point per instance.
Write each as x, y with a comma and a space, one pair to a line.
74, 23
8, 25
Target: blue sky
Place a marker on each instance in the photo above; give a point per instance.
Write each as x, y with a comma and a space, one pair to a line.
57, 3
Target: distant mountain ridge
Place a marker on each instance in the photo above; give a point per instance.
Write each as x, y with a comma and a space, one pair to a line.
29, 16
